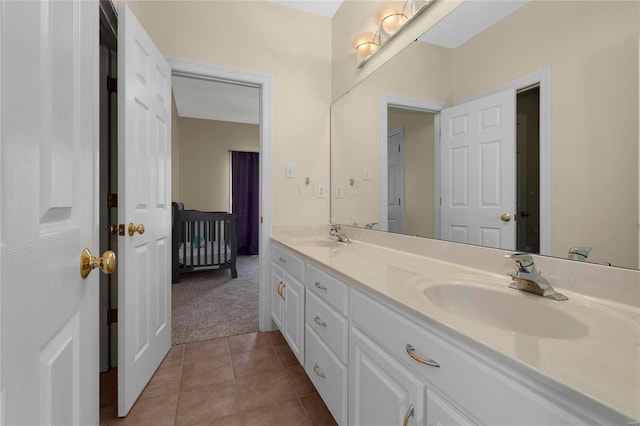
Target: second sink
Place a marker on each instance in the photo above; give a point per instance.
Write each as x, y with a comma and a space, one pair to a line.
515, 312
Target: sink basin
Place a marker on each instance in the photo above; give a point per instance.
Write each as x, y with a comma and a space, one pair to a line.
514, 312
316, 242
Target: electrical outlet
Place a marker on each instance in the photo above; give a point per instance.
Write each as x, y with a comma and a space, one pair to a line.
321, 191
289, 170
365, 173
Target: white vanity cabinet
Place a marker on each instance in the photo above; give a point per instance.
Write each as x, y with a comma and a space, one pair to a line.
462, 386
288, 297
327, 332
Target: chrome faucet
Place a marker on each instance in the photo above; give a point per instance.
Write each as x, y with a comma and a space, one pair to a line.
336, 231
528, 278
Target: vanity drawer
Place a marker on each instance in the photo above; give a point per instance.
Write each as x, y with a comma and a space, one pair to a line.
328, 375
462, 375
330, 289
330, 326
290, 263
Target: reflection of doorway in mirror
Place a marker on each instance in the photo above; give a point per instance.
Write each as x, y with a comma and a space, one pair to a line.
528, 170
395, 173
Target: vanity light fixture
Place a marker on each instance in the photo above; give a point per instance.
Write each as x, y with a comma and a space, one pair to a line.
366, 43
392, 17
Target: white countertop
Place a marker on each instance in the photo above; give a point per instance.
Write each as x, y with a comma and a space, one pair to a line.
599, 357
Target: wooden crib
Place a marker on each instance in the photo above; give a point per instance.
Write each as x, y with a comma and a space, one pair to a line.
203, 241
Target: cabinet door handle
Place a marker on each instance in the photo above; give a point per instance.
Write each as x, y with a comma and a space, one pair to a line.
319, 321
320, 286
282, 259
421, 360
316, 369
281, 288
406, 416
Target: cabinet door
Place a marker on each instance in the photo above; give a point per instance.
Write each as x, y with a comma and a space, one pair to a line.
381, 391
277, 292
441, 413
294, 316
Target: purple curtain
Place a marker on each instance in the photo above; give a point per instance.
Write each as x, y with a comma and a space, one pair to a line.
244, 197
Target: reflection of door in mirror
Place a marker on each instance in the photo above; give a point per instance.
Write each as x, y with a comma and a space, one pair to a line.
395, 173
477, 174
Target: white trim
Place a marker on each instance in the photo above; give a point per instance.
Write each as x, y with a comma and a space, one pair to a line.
638, 230
543, 79
264, 82
412, 104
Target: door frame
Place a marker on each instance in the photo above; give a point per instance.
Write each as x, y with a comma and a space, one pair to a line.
394, 132
264, 82
411, 104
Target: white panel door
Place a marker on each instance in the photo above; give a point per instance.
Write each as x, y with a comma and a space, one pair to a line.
144, 176
395, 176
478, 172
48, 199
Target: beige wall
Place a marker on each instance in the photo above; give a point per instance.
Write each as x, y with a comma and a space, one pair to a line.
204, 160
259, 36
419, 169
592, 50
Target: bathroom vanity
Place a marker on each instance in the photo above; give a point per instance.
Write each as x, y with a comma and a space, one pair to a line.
389, 335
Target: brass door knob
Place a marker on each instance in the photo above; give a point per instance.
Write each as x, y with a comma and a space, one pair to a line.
506, 217
107, 263
133, 229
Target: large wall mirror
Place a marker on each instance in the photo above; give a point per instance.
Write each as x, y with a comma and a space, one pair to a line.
561, 81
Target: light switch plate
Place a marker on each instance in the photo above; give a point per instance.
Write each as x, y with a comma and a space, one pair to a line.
339, 191
365, 173
289, 170
321, 191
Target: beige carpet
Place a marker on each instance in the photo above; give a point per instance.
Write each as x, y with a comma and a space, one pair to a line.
208, 305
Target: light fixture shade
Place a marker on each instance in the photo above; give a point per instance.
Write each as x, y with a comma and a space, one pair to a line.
393, 15
366, 43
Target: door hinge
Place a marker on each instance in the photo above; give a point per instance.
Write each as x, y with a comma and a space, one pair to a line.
112, 200
398, 201
112, 85
112, 316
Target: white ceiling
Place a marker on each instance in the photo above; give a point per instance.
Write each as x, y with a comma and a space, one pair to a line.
228, 102
211, 100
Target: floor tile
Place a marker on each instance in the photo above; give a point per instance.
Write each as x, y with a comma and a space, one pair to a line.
206, 403
248, 342
196, 352
286, 356
263, 389
249, 379
317, 411
254, 362
158, 411
204, 373
301, 383
285, 413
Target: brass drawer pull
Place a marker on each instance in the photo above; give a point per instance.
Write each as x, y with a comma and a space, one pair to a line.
316, 369
280, 290
320, 286
282, 259
421, 360
406, 416
319, 321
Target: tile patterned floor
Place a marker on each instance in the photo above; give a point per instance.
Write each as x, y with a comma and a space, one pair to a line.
251, 379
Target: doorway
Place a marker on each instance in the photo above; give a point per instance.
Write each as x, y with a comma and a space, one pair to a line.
528, 170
